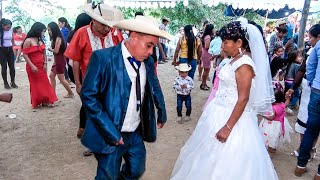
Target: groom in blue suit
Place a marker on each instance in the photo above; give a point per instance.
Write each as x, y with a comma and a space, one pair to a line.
120, 92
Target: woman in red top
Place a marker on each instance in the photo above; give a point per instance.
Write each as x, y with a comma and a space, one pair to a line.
18, 38
33, 48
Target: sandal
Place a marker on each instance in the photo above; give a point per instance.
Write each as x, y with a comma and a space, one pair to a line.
47, 105
295, 153
204, 87
69, 96
87, 152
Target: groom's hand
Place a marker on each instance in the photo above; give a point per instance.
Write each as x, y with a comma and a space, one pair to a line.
160, 125
120, 142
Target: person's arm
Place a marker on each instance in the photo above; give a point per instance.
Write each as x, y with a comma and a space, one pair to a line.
27, 44
12, 40
207, 43
244, 76
75, 52
56, 46
270, 118
199, 51
76, 74
176, 53
93, 103
159, 102
296, 69
45, 59
289, 43
312, 64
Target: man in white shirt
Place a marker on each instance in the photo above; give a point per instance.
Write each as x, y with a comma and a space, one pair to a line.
163, 41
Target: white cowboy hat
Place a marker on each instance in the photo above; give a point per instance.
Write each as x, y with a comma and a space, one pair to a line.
103, 13
184, 67
144, 25
280, 22
165, 18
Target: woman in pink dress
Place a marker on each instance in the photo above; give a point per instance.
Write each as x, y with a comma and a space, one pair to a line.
206, 57
33, 48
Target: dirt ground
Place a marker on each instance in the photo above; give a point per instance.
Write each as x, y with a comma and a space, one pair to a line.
42, 144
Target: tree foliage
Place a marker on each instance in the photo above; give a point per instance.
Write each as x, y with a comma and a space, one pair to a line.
22, 17
19, 15
194, 14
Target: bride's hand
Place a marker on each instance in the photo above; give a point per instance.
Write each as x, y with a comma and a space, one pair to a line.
223, 134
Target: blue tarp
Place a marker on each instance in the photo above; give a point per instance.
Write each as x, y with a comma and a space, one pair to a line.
283, 12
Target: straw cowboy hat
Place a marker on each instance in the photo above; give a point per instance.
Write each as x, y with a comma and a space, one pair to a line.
280, 22
143, 24
165, 18
103, 13
184, 67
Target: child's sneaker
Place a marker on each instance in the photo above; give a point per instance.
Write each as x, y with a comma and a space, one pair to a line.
289, 112
187, 118
179, 120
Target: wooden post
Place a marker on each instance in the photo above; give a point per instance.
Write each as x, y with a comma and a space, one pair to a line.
303, 22
266, 20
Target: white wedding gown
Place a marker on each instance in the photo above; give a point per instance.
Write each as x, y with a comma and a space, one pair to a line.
242, 157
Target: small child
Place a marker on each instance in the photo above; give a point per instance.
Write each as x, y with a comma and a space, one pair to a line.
276, 128
183, 84
277, 65
294, 60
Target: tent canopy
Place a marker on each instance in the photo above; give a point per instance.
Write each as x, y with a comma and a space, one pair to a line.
262, 4
283, 12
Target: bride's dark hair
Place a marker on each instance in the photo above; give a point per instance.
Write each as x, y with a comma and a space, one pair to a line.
234, 31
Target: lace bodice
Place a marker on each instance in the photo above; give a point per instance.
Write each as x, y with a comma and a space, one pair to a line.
227, 94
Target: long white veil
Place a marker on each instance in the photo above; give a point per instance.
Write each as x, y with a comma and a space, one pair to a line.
263, 93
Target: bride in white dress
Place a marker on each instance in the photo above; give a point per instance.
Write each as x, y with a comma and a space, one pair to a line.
227, 143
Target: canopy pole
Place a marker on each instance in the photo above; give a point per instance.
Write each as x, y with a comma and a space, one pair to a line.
244, 12
303, 22
266, 20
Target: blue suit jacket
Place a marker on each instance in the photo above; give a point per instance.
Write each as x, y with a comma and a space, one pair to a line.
105, 96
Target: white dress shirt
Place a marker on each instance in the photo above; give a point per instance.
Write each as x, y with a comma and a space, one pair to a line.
132, 118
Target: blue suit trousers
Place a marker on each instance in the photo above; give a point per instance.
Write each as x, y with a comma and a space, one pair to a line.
134, 154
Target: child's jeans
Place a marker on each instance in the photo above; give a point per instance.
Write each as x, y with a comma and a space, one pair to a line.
296, 94
180, 100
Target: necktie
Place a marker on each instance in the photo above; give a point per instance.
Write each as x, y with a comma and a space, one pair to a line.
138, 87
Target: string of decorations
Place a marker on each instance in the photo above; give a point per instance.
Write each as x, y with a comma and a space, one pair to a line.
146, 4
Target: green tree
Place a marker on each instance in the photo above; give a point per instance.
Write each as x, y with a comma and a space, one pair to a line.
19, 16
195, 14
22, 17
